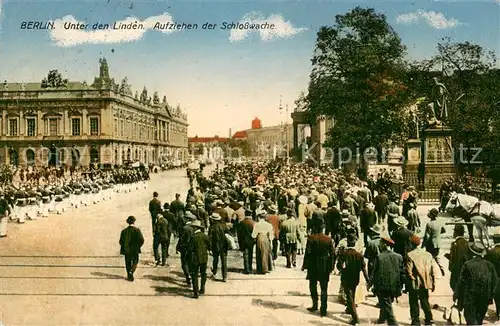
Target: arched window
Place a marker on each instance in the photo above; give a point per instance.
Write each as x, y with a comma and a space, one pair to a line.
116, 156
62, 156
137, 154
30, 157
129, 154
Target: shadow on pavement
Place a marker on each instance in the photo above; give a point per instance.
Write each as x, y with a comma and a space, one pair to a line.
173, 290
109, 276
165, 278
273, 304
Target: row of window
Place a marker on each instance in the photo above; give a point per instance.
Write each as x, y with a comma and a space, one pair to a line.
52, 126
140, 131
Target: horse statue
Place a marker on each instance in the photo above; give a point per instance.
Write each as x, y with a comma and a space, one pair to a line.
475, 213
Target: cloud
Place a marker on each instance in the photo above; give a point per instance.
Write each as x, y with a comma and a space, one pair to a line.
282, 28
436, 20
71, 37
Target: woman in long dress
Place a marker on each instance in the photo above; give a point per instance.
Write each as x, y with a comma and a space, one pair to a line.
263, 233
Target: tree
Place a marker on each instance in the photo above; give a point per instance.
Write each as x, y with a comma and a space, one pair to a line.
54, 80
357, 78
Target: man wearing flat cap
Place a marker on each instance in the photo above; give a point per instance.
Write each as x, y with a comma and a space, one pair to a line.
476, 286
493, 256
387, 280
131, 241
421, 277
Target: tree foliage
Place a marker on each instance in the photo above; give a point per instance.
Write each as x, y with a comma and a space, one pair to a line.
358, 78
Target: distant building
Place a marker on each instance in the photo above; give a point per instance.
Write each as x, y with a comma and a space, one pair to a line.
240, 135
56, 122
269, 142
207, 148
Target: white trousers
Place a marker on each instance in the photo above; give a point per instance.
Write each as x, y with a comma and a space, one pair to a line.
3, 225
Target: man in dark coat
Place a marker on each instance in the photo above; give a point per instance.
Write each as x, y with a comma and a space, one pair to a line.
387, 280
245, 240
367, 220
131, 241
401, 236
154, 210
198, 258
373, 247
177, 207
381, 202
218, 242
333, 221
184, 245
319, 262
161, 238
459, 254
493, 256
476, 286
350, 264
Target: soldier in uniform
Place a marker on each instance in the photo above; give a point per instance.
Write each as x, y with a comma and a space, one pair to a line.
319, 262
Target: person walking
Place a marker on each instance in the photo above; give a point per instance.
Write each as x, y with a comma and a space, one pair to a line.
373, 247
459, 254
131, 241
432, 237
245, 241
218, 242
476, 286
319, 262
350, 264
291, 236
263, 233
161, 238
493, 256
421, 277
368, 218
154, 210
387, 280
184, 245
198, 258
5, 211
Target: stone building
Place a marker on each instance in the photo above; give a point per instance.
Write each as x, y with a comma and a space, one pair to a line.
59, 122
269, 142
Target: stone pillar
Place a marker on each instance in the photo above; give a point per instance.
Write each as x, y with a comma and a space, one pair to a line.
21, 124
85, 123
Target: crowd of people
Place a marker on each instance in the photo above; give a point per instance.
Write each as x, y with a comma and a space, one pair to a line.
34, 192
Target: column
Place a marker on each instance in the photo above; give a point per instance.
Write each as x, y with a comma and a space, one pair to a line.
66, 123
295, 136
21, 124
85, 123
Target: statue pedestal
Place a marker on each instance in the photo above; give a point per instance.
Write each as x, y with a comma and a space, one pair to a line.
438, 155
412, 156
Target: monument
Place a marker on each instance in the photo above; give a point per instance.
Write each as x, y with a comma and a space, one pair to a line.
437, 159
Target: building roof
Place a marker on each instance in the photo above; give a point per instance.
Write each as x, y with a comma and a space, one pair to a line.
215, 139
240, 134
18, 87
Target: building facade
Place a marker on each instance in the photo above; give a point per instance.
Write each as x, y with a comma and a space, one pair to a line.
207, 148
269, 142
58, 122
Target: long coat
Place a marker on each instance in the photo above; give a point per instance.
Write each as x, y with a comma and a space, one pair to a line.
131, 241
290, 232
245, 229
367, 219
199, 248
388, 274
477, 283
493, 256
459, 254
319, 257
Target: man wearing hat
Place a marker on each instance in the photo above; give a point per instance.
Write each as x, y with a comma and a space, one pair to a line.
198, 258
459, 254
218, 243
493, 256
184, 244
401, 236
387, 280
476, 286
381, 202
421, 277
368, 218
161, 238
291, 236
154, 210
350, 264
333, 221
245, 241
373, 247
131, 241
432, 237
319, 262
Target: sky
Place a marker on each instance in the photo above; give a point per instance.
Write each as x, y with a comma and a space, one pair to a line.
221, 78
